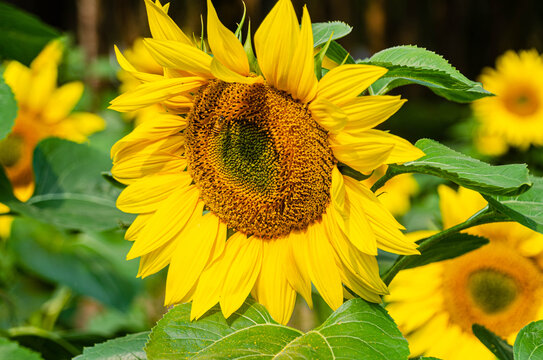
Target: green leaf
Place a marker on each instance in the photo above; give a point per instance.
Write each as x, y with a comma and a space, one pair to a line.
526, 208
338, 54
323, 31
63, 259
494, 343
529, 342
8, 106
129, 347
357, 330
22, 36
12, 350
414, 65
70, 191
463, 170
448, 247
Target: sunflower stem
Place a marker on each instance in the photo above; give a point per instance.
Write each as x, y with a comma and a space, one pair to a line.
484, 216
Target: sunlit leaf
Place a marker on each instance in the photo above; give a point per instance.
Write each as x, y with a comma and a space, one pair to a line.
529, 342
129, 347
323, 31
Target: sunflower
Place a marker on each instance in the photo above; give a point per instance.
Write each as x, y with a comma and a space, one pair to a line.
142, 61
43, 111
396, 193
514, 117
499, 285
237, 187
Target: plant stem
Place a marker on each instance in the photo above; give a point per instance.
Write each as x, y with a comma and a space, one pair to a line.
485, 216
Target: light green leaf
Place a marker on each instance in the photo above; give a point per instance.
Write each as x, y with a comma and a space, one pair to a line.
463, 170
357, 330
494, 343
414, 65
129, 347
323, 31
12, 350
63, 259
526, 208
70, 191
529, 342
8, 114
22, 36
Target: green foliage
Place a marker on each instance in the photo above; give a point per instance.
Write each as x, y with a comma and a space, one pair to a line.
322, 32
70, 191
357, 330
129, 347
8, 107
338, 54
414, 65
12, 350
494, 343
529, 342
63, 259
463, 170
526, 208
22, 36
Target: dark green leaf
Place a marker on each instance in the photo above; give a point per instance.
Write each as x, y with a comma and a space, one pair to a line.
338, 54
129, 347
62, 259
463, 170
323, 31
8, 107
357, 330
529, 342
526, 208
498, 346
12, 350
70, 191
22, 36
414, 65
49, 344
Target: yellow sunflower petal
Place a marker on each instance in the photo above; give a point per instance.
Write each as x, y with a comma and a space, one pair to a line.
172, 54
127, 66
360, 155
347, 81
62, 101
154, 92
272, 288
147, 194
77, 126
276, 43
296, 267
194, 248
140, 165
302, 82
223, 73
162, 26
329, 116
167, 222
42, 86
209, 286
18, 76
156, 260
49, 56
137, 225
243, 259
224, 45
356, 225
366, 112
403, 150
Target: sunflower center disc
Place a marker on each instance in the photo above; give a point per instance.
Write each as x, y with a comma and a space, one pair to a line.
522, 101
492, 291
262, 164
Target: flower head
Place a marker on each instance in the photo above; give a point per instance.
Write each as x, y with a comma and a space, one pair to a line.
43, 111
499, 285
237, 187
514, 116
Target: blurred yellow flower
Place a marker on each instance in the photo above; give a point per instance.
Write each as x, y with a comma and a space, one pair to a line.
395, 195
255, 154
514, 117
499, 286
44, 111
142, 61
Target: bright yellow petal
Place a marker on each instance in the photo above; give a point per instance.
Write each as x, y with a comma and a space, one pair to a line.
166, 224
62, 101
365, 112
194, 248
49, 56
137, 225
243, 259
209, 286
77, 126
172, 54
329, 116
223, 73
272, 288
162, 26
127, 66
347, 81
156, 260
42, 85
18, 76
137, 166
297, 268
360, 155
276, 43
147, 194
356, 225
155, 92
224, 45
302, 82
